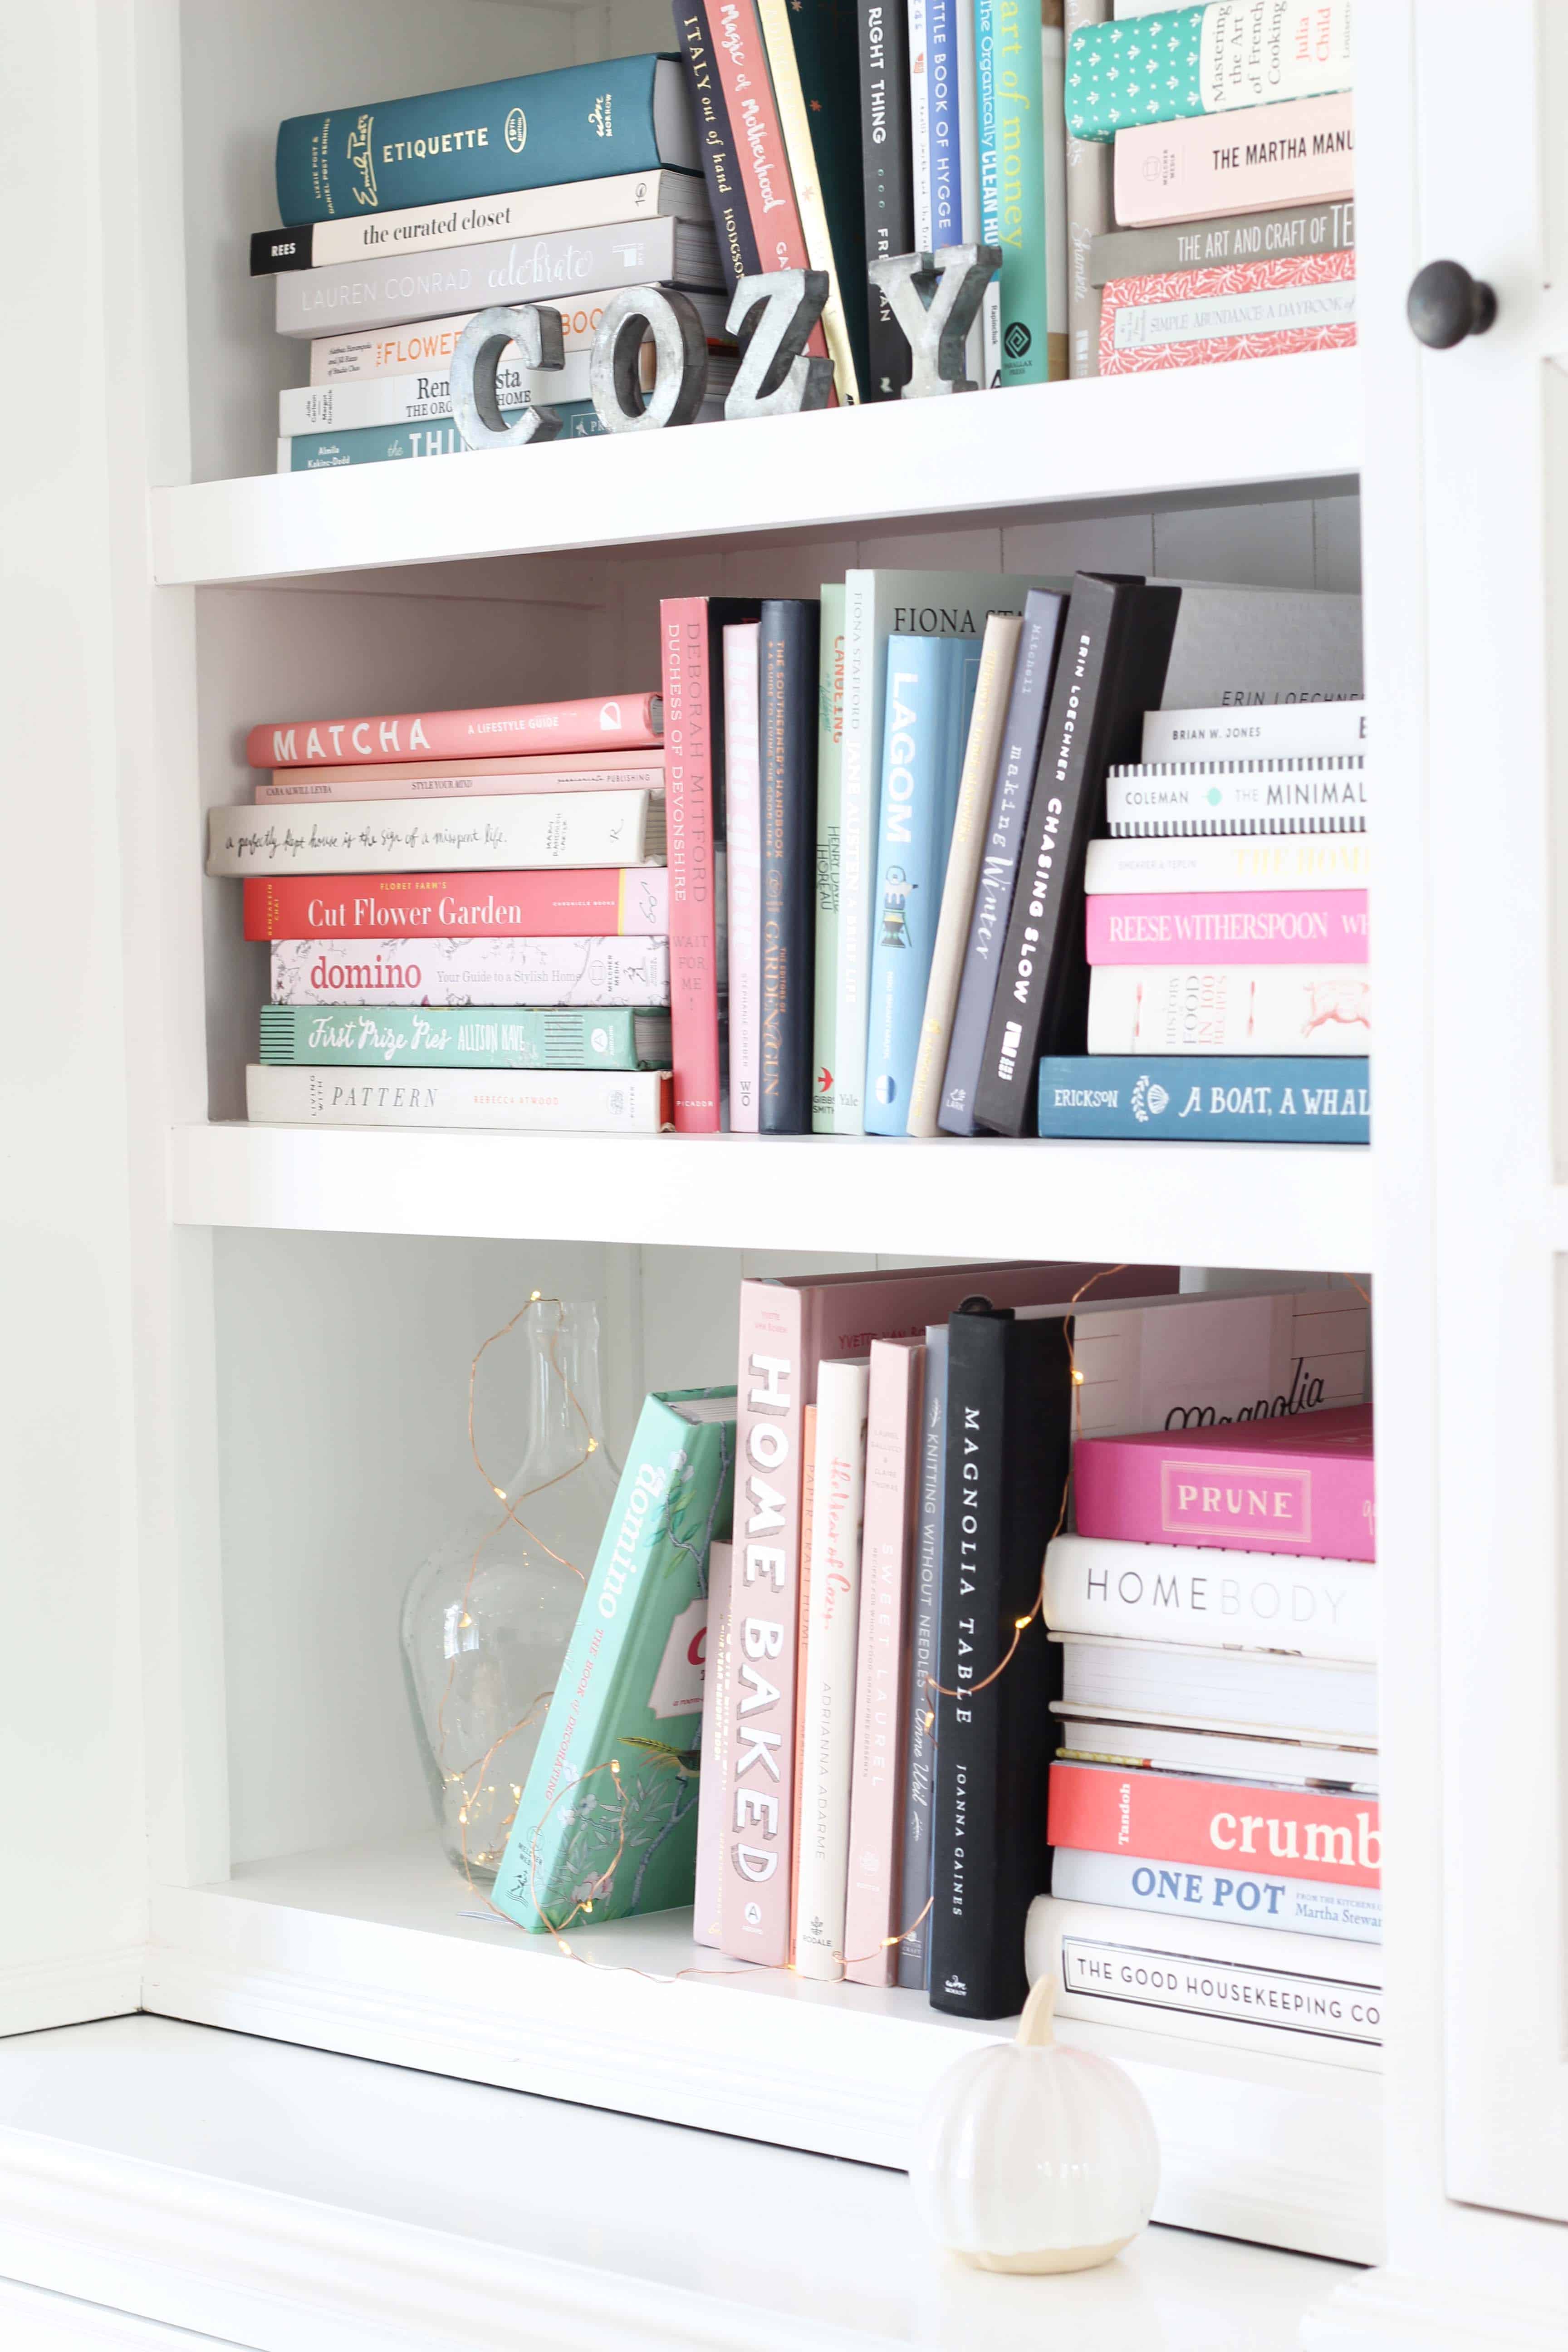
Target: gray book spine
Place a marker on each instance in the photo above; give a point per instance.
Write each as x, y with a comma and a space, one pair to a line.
1090, 215
920, 1711
1010, 797
1216, 244
395, 289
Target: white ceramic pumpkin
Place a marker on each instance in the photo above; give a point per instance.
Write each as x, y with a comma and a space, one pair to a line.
1032, 2156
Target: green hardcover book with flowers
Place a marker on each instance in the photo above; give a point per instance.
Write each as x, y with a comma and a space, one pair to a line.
607, 1821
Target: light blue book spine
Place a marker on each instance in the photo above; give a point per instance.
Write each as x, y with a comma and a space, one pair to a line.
378, 444
946, 126
930, 694
1207, 1098
1300, 1904
829, 826
919, 1761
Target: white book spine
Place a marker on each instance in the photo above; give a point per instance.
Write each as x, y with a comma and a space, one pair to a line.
1129, 1882
1216, 1755
1288, 794
1231, 1987
532, 212
1254, 1601
827, 1700
1255, 730
540, 1102
345, 407
1229, 1008
389, 291
534, 830
455, 780
743, 827
1297, 861
920, 127
574, 971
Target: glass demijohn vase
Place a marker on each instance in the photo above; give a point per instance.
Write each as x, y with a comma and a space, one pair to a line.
486, 1620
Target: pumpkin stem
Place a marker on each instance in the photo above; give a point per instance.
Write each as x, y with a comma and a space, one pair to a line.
1034, 2025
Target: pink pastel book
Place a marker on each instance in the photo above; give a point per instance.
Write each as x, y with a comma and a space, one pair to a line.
1229, 927
394, 780
1298, 1484
1246, 311
713, 1784
1255, 159
788, 1329
871, 1924
627, 722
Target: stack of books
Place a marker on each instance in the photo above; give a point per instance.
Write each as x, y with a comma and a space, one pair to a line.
468, 916
1214, 1808
1220, 141
1227, 937
409, 217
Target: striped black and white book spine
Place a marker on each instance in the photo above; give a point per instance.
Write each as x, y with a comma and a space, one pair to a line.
1310, 794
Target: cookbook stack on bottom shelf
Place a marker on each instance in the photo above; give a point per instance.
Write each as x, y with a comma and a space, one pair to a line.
1214, 1806
469, 915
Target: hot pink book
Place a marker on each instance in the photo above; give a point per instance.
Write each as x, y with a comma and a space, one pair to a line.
788, 1328
629, 720
1229, 927
389, 780
871, 1923
1255, 159
1297, 1484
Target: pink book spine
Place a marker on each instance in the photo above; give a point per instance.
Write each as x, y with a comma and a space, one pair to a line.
871, 1923
807, 1505
1243, 1499
1230, 927
743, 871
633, 720
465, 779
759, 1833
741, 64
1254, 311
715, 1792
1256, 159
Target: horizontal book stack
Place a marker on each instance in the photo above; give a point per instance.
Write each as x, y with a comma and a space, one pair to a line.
1211, 170
1213, 1807
1227, 936
406, 217
469, 915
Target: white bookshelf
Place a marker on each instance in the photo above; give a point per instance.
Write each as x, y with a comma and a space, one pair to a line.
239, 1356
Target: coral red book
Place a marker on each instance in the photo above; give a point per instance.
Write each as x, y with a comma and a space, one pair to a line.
597, 723
1302, 1483
1228, 927
597, 902
1246, 311
1219, 1825
741, 64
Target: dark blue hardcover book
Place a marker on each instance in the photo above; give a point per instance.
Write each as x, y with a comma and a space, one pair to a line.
1207, 1098
532, 131
787, 664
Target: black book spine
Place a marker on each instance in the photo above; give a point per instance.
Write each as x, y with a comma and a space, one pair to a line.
787, 660
888, 175
273, 250
1011, 793
1112, 668
720, 161
1009, 1396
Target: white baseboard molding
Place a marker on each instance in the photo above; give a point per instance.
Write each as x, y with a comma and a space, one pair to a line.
32, 2319
72, 1991
1393, 2310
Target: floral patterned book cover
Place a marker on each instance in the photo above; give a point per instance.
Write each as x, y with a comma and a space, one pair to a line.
607, 1821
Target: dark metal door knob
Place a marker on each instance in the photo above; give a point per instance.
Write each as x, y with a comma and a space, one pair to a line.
1444, 304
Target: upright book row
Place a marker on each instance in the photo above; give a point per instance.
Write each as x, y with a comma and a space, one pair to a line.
1136, 230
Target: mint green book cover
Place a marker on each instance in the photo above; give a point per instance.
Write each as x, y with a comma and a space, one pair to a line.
465, 1037
588, 1845
830, 803
1013, 181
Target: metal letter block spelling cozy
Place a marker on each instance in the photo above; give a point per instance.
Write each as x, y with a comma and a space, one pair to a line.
535, 328
681, 361
934, 297
775, 377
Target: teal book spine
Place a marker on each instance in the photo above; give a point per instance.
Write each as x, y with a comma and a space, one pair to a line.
493, 137
1016, 216
829, 807
463, 1037
929, 696
1185, 61
589, 1844
1207, 1097
378, 444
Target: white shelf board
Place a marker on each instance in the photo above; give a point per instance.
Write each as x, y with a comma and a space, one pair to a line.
382, 1952
297, 2201
1307, 1206
1191, 437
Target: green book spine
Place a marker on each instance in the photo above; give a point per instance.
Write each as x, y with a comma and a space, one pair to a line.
1020, 181
464, 1037
629, 1691
378, 444
829, 800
